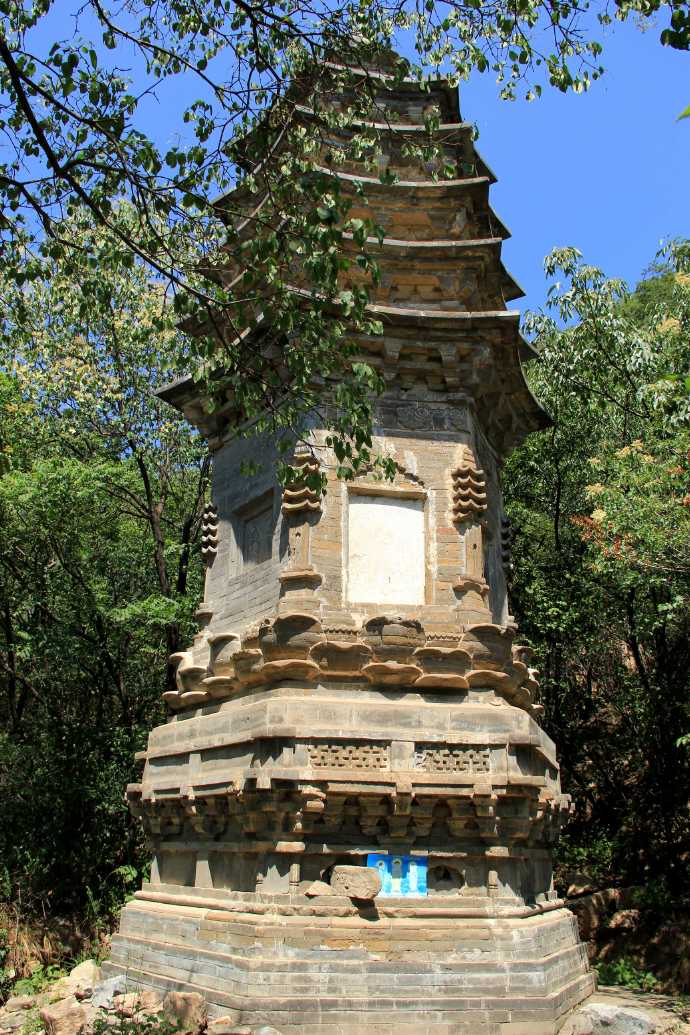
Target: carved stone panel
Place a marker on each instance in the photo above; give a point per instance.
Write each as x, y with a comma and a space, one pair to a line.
257, 535
386, 550
350, 756
452, 759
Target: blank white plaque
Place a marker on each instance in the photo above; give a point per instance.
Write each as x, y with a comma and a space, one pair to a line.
385, 550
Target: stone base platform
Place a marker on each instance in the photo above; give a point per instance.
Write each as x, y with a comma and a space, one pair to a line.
328, 968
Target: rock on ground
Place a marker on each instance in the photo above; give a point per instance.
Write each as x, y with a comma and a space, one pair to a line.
188, 1009
137, 1004
619, 1011
228, 1024
66, 1017
19, 1002
103, 997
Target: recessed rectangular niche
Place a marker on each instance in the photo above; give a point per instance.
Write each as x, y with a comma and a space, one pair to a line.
255, 532
386, 555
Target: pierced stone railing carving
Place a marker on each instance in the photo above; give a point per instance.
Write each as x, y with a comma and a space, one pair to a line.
433, 758
349, 756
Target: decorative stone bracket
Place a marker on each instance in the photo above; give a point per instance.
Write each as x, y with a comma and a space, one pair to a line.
380, 814
298, 496
469, 490
209, 533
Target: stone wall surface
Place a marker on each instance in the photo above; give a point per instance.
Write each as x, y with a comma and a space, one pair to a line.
356, 698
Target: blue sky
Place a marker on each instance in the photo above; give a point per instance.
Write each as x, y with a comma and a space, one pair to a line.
607, 171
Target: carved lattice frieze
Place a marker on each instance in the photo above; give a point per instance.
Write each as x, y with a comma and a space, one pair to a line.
433, 758
349, 756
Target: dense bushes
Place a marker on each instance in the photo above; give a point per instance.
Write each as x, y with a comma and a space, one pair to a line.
601, 586
101, 492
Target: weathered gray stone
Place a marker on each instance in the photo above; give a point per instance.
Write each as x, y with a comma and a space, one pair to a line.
104, 993
361, 882
617, 1018
12, 1021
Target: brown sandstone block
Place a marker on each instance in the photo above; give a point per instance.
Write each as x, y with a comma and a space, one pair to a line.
188, 1009
67, 1017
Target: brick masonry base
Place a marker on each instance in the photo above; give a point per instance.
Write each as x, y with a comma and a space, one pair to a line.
343, 974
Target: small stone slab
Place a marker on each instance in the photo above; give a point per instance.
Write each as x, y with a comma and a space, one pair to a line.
318, 887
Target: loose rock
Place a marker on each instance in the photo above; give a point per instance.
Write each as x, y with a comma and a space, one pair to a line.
600, 1019
103, 996
226, 1025
625, 920
87, 974
361, 882
318, 887
20, 1002
67, 1017
134, 1004
188, 1009
11, 1022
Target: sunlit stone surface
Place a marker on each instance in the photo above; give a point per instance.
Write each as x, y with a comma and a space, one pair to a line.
356, 696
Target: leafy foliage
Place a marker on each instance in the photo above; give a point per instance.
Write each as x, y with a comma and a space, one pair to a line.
602, 583
624, 971
101, 495
41, 978
74, 124
147, 1024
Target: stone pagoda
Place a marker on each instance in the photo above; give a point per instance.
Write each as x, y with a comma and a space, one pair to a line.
353, 806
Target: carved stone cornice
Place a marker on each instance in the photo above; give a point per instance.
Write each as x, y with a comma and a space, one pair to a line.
476, 809
386, 651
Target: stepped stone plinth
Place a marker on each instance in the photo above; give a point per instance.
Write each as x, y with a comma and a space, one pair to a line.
356, 695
